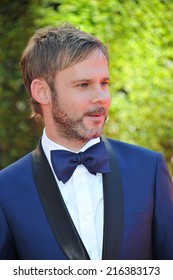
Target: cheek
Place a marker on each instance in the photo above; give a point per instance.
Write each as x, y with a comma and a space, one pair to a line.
77, 104
74, 108
108, 103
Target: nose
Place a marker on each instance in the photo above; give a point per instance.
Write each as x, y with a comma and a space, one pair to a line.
101, 95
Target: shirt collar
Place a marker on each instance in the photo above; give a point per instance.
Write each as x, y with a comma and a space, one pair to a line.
48, 145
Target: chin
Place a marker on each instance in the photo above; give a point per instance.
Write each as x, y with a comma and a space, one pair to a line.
95, 134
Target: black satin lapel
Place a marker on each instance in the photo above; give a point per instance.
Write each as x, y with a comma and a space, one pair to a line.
54, 206
113, 208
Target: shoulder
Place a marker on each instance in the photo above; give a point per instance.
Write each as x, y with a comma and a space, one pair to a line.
16, 181
17, 185
130, 148
140, 162
16, 171
135, 155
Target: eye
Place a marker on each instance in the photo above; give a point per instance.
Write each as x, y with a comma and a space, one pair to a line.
83, 85
104, 83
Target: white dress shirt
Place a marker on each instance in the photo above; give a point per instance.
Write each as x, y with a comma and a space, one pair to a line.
83, 196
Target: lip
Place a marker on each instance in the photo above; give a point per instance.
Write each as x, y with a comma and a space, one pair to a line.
97, 114
96, 117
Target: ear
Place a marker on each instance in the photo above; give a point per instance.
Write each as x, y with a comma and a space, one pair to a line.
40, 91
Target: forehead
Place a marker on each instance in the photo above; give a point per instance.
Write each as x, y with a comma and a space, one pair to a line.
94, 65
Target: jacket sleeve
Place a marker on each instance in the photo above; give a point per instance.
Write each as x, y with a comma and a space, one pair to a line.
163, 213
7, 247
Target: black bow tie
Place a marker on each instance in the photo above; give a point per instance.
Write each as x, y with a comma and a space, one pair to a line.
95, 159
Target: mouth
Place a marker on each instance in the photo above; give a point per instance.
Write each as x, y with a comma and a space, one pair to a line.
97, 117
97, 113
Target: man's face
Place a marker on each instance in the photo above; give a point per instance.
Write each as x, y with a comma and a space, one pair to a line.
81, 99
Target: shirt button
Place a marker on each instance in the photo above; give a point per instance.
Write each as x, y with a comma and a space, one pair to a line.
86, 216
79, 183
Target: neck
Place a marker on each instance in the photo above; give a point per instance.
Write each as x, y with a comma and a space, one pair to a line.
73, 145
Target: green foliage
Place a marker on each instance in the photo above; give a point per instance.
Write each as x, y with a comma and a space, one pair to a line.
17, 132
139, 37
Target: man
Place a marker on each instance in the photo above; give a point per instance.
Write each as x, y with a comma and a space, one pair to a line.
78, 195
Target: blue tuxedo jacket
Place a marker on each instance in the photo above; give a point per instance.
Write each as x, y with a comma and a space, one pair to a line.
138, 209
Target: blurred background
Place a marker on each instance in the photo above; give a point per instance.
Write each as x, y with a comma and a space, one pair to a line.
139, 36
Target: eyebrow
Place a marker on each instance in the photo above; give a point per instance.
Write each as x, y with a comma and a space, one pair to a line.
88, 80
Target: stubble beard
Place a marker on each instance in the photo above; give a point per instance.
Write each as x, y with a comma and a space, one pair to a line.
75, 129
